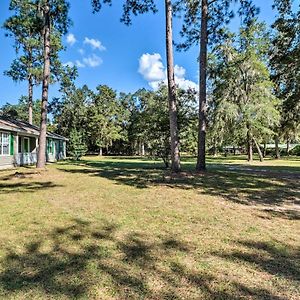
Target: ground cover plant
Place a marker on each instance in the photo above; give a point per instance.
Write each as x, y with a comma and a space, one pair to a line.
125, 228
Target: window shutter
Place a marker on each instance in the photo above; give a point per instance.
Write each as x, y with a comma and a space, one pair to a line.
12, 150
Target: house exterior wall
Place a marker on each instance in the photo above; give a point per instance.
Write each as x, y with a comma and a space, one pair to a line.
6, 162
56, 150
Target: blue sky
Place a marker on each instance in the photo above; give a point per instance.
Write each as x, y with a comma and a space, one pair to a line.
108, 52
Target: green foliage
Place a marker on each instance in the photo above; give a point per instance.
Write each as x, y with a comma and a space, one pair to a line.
285, 64
122, 124
76, 145
104, 117
242, 93
295, 151
20, 111
220, 12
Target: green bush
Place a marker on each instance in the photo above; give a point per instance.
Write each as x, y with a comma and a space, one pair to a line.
295, 151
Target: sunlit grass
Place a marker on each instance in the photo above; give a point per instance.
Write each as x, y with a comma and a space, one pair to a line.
115, 228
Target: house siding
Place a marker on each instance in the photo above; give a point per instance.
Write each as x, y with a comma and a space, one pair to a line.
6, 161
23, 151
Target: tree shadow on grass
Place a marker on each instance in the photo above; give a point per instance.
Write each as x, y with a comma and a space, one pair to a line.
25, 187
267, 188
77, 260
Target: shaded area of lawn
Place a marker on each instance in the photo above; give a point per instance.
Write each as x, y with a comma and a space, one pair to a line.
268, 186
10, 184
80, 257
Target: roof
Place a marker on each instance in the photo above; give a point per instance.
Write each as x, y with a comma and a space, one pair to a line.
23, 127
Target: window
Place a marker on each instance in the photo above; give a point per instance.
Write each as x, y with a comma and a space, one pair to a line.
4, 143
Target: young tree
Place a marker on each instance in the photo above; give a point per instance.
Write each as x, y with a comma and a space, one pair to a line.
77, 146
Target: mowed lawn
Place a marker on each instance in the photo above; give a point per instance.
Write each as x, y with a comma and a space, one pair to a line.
117, 228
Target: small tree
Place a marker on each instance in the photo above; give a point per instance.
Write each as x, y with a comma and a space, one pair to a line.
76, 146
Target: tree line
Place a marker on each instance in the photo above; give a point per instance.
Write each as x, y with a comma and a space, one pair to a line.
249, 91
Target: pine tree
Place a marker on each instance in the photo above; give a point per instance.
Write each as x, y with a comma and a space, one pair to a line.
54, 18
203, 25
22, 26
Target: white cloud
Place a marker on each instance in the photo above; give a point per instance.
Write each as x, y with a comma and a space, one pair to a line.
179, 71
69, 64
95, 44
79, 64
92, 61
71, 39
151, 67
81, 51
153, 70
186, 84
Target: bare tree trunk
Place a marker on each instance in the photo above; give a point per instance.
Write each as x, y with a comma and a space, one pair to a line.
100, 151
261, 158
201, 164
175, 155
41, 160
30, 99
277, 153
249, 145
143, 149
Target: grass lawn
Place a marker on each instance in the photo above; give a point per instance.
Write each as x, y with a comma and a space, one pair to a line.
123, 228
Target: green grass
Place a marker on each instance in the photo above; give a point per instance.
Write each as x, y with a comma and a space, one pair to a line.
125, 228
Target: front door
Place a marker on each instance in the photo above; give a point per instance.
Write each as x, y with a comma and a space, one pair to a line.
26, 151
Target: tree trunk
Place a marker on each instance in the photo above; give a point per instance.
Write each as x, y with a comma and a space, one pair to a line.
143, 149
287, 146
249, 145
175, 155
277, 153
41, 160
201, 164
30, 99
261, 158
265, 150
100, 151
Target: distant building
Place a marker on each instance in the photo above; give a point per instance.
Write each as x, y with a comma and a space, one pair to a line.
19, 144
